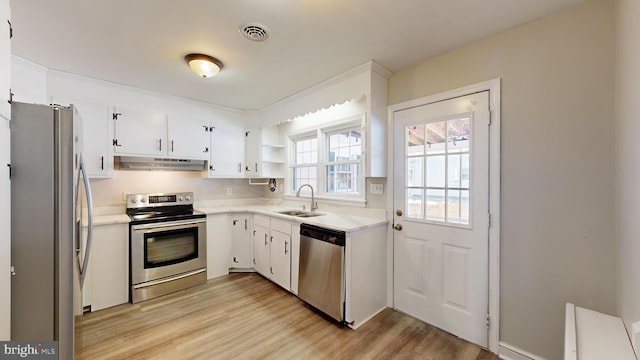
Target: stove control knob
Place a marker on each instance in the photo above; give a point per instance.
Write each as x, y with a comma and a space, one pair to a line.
180, 198
188, 198
134, 200
143, 200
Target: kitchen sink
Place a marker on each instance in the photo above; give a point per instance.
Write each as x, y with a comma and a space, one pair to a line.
299, 213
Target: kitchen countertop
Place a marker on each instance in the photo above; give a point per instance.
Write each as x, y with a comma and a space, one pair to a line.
337, 221
340, 219
110, 219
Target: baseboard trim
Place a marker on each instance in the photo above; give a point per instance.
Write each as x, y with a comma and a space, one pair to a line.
509, 352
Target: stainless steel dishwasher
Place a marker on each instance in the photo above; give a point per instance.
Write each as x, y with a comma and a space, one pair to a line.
321, 272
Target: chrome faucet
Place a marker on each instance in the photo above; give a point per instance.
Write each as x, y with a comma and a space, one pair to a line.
314, 204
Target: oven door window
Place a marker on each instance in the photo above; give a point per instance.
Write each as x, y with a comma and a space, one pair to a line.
170, 247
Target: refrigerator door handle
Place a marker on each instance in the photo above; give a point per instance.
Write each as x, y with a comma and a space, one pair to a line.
85, 261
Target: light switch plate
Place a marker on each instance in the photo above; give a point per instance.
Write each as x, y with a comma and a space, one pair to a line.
377, 189
229, 191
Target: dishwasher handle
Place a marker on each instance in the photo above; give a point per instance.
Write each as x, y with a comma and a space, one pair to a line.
335, 237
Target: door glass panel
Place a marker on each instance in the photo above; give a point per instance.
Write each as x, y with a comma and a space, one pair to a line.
415, 140
435, 205
415, 201
436, 166
436, 137
458, 133
454, 171
415, 171
438, 171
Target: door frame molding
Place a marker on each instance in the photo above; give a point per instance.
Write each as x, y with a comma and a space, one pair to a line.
494, 88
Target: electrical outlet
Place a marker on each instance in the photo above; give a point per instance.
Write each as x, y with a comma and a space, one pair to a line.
377, 189
229, 191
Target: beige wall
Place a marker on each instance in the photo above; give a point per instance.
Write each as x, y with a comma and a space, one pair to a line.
557, 236
628, 157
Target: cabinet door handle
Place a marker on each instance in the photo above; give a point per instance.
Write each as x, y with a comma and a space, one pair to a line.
265, 239
271, 270
285, 248
101, 162
240, 167
254, 233
271, 239
256, 167
171, 145
245, 224
160, 144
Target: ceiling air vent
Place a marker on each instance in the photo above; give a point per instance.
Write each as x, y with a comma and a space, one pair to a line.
254, 31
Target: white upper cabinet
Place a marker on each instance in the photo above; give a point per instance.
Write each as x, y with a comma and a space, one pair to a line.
139, 133
97, 135
264, 153
227, 150
252, 145
96, 139
188, 138
5, 59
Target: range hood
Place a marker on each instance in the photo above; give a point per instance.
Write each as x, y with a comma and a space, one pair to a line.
153, 163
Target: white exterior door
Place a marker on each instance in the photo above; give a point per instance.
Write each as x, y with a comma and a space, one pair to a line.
441, 205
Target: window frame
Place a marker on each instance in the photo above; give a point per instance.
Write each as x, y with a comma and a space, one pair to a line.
322, 133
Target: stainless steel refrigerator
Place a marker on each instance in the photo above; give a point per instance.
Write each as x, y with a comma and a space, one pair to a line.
50, 205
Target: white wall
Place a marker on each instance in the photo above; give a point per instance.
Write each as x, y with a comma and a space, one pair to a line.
28, 81
557, 234
627, 158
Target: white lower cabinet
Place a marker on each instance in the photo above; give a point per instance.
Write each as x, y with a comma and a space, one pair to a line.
240, 242
219, 236
107, 281
272, 249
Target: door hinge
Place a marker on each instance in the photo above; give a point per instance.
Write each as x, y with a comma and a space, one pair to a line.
115, 142
9, 166
115, 116
254, 261
246, 133
10, 101
235, 222
488, 321
490, 117
10, 29
489, 221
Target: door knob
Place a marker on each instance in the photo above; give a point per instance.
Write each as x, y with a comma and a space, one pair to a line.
399, 212
397, 227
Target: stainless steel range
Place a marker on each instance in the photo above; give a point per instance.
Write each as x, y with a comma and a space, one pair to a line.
167, 244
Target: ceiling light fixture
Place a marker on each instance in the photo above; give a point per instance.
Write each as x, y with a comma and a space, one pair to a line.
204, 65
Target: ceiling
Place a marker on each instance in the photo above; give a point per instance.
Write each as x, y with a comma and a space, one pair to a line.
142, 43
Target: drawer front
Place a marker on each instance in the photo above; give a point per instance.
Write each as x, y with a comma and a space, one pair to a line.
281, 226
261, 220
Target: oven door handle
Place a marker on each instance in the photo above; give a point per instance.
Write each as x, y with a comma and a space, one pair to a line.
165, 226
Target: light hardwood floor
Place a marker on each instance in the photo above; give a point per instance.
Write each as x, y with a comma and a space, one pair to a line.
244, 316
